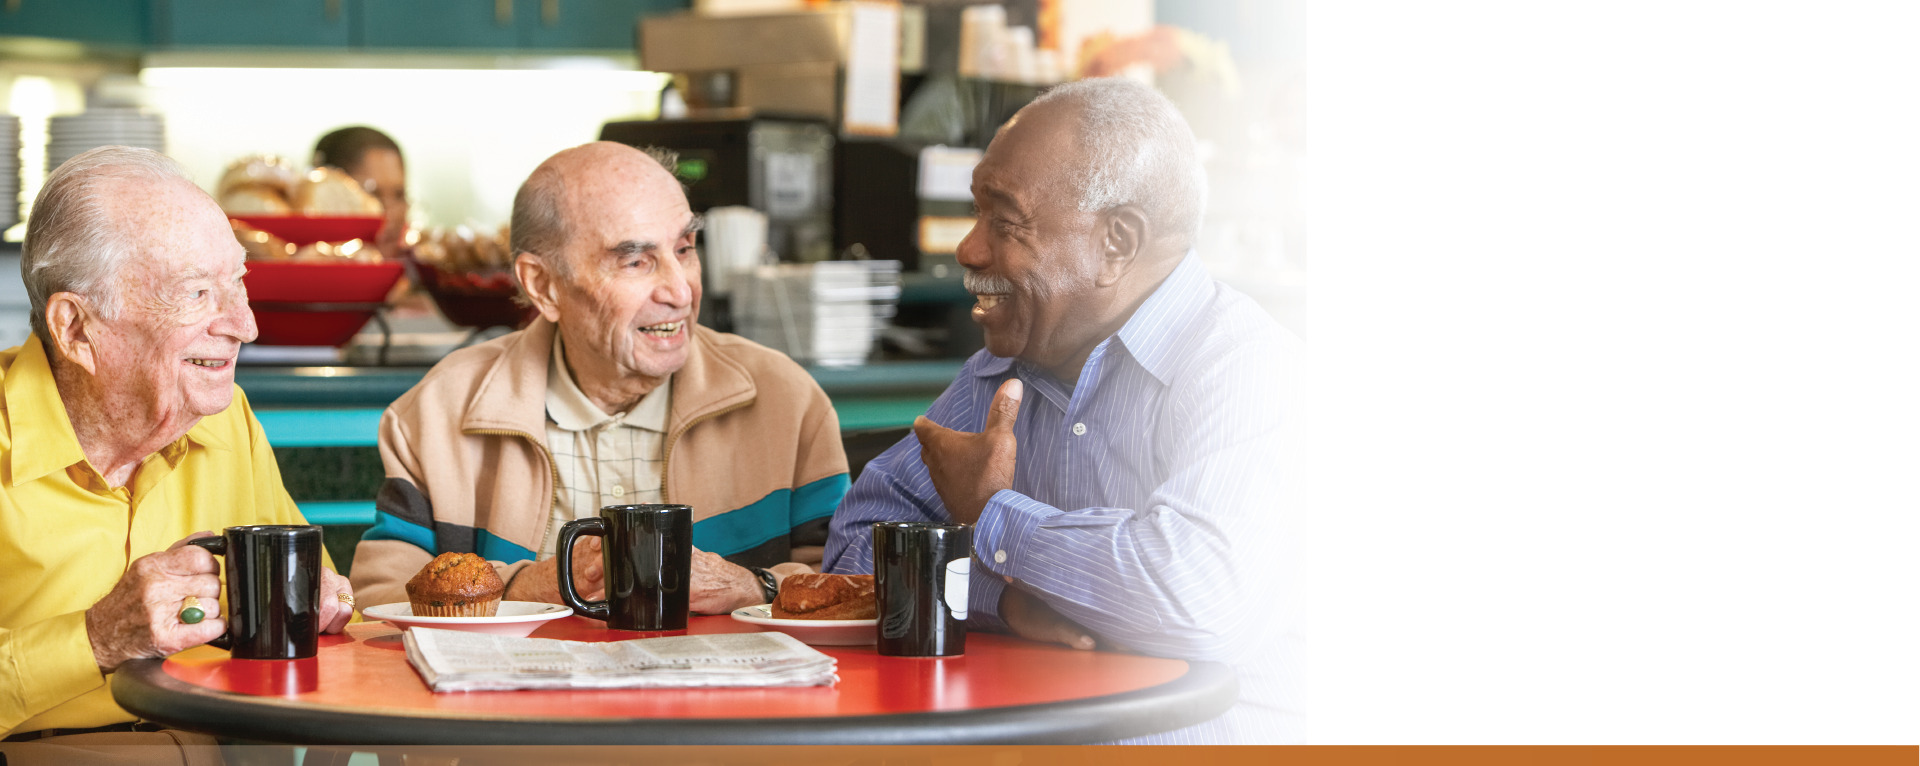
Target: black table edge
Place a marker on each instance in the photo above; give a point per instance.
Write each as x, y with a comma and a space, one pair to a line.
1207, 690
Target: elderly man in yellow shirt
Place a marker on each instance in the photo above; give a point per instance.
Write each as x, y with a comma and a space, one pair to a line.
121, 435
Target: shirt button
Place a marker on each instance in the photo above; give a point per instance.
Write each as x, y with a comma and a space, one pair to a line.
619, 491
1079, 429
999, 557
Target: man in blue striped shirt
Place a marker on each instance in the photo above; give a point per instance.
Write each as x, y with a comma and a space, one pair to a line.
1118, 445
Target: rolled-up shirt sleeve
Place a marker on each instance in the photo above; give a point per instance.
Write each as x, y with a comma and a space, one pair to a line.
896, 487
43, 664
890, 489
893, 487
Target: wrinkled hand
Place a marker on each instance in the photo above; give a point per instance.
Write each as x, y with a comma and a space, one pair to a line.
334, 613
1030, 618
968, 468
140, 617
721, 586
540, 581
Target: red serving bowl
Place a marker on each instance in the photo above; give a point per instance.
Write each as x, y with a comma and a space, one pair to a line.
302, 230
301, 303
476, 298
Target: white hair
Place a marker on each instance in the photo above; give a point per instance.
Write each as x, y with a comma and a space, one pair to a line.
74, 244
1138, 150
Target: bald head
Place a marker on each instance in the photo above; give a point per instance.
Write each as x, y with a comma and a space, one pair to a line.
577, 179
1133, 148
605, 157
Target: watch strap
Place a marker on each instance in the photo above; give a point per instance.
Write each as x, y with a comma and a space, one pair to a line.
769, 585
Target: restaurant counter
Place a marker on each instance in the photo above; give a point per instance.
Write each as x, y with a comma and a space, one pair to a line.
371, 386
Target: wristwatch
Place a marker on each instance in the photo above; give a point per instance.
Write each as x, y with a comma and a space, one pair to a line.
769, 587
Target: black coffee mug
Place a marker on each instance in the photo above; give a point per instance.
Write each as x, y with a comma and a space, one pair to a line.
647, 556
921, 571
273, 590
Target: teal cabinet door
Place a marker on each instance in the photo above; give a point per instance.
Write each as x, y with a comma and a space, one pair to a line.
476, 25
109, 22
254, 23
587, 24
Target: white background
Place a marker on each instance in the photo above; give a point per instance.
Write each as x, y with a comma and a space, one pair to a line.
1616, 423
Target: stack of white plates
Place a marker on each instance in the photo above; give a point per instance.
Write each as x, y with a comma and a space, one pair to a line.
825, 313
14, 306
9, 170
71, 134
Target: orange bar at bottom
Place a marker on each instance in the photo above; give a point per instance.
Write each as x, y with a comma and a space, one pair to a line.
1311, 755
1623, 755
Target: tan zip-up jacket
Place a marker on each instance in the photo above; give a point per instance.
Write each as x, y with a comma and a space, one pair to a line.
752, 444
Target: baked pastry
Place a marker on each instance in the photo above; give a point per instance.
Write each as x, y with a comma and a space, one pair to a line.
461, 250
254, 199
260, 245
455, 585
270, 172
826, 597
327, 191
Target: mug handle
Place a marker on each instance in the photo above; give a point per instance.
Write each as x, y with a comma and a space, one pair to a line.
217, 545
569, 534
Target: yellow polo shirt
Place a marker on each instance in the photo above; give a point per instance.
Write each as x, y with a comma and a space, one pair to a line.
66, 538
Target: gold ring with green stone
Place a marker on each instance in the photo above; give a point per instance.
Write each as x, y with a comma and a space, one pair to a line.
190, 612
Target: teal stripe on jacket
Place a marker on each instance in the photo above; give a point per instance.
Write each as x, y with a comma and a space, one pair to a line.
387, 526
740, 529
498, 549
746, 528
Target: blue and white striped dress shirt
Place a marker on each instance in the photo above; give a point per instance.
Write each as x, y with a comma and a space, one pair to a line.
1147, 498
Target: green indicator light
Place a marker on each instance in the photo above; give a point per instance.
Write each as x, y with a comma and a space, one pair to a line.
691, 170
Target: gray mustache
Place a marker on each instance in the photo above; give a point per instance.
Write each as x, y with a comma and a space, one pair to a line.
980, 283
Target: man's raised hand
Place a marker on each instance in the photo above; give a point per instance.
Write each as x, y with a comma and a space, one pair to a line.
968, 468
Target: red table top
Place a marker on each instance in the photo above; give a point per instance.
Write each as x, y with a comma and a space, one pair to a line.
365, 671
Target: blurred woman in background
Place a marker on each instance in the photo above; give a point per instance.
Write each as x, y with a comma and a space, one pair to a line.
372, 158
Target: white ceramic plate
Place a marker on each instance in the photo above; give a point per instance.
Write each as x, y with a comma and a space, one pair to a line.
514, 618
816, 632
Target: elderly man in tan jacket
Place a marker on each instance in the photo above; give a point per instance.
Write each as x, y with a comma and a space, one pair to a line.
614, 395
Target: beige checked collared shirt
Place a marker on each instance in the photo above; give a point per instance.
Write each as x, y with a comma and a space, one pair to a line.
601, 459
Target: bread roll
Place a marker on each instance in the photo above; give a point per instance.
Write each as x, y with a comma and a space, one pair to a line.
459, 245
327, 191
826, 597
254, 199
265, 170
260, 245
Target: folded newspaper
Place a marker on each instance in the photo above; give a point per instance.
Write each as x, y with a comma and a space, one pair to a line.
460, 661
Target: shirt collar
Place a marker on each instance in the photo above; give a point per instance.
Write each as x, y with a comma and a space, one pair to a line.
572, 410
206, 435
37, 415
1158, 330
1154, 333
992, 366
